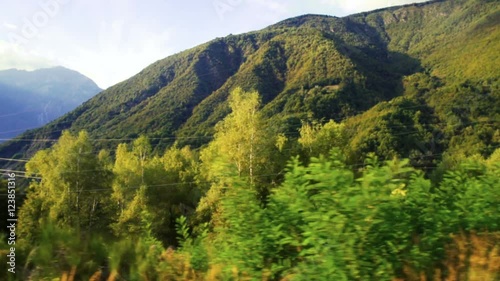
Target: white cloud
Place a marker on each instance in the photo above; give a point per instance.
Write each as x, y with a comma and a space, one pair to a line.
273, 6
350, 6
12, 56
10, 26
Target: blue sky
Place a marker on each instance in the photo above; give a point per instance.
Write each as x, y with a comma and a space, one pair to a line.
111, 40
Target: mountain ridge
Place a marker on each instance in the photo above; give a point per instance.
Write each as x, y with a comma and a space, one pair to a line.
312, 65
31, 99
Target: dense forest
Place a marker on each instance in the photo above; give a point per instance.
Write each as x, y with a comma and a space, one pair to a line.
320, 148
245, 208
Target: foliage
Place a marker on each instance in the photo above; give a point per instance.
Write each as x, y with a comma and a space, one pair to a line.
66, 193
332, 68
241, 144
161, 187
325, 220
407, 161
317, 139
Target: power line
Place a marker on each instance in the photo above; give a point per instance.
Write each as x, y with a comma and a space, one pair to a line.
13, 159
17, 113
17, 130
298, 133
27, 177
11, 171
351, 166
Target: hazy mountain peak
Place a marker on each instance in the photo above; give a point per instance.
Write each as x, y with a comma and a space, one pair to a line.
30, 99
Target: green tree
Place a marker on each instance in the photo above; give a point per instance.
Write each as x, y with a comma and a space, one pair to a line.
318, 139
130, 185
174, 192
74, 188
242, 143
152, 191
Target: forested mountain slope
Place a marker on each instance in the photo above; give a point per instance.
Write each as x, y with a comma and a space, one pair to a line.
319, 148
430, 70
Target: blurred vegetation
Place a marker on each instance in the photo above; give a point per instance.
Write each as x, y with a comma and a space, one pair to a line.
244, 207
319, 148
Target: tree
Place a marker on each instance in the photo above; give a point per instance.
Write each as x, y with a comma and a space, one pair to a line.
130, 184
317, 139
152, 191
174, 192
74, 186
240, 137
242, 143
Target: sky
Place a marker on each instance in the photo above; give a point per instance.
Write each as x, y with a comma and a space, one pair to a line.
112, 40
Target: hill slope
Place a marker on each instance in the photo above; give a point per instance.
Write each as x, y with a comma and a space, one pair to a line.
430, 68
30, 99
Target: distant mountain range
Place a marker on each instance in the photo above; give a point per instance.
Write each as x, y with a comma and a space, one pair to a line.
413, 81
31, 99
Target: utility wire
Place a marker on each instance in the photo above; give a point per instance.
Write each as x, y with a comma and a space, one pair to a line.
487, 122
351, 166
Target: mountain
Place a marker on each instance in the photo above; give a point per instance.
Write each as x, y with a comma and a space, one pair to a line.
415, 81
31, 99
